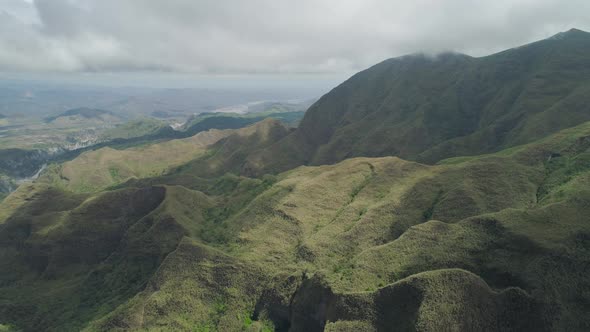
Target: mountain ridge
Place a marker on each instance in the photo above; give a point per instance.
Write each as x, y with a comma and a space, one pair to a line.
84, 112
427, 108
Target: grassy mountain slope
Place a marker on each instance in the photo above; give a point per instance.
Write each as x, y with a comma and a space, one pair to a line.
365, 244
135, 128
147, 132
206, 154
230, 153
98, 169
427, 108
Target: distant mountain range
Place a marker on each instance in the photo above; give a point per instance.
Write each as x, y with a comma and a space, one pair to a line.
84, 113
24, 98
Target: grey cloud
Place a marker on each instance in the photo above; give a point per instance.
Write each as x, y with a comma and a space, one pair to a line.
264, 36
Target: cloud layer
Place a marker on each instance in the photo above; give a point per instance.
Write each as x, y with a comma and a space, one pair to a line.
264, 36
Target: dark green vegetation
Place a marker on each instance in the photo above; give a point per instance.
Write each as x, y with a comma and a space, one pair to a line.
21, 163
206, 121
427, 108
7, 185
188, 235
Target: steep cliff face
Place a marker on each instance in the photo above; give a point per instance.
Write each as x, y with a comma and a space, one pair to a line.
408, 305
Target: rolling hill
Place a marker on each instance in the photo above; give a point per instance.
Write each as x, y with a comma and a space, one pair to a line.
206, 121
83, 115
207, 154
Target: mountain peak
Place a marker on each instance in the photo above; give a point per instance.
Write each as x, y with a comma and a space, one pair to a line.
571, 33
436, 56
575, 31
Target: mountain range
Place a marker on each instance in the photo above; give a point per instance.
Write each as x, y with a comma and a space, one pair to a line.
427, 108
426, 193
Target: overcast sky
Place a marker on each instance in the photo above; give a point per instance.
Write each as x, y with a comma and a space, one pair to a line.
264, 37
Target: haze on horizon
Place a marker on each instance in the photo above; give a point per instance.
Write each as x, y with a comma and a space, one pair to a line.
264, 42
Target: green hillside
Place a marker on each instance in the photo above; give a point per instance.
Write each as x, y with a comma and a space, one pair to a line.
423, 194
135, 128
206, 154
428, 108
147, 131
25, 161
373, 241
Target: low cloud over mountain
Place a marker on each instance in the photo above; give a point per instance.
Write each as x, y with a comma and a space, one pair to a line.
263, 36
